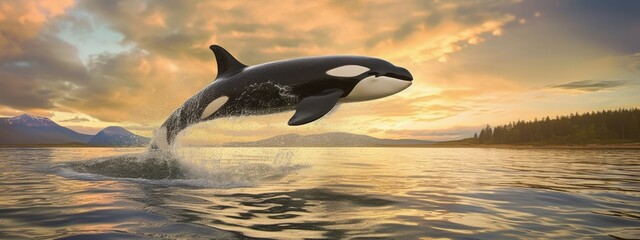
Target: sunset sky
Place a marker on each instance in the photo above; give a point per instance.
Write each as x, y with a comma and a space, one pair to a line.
91, 64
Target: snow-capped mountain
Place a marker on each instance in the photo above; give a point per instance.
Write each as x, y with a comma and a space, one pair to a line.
31, 130
26, 120
26, 129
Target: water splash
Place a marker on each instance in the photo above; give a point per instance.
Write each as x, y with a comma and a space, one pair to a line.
167, 160
189, 167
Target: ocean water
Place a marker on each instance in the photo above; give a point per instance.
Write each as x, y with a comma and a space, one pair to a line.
320, 193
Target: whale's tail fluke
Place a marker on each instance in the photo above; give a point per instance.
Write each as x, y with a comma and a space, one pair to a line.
227, 64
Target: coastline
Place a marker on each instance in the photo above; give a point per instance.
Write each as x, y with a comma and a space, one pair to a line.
634, 146
621, 146
63, 146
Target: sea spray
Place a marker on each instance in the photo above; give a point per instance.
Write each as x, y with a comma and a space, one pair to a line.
190, 166
216, 164
199, 166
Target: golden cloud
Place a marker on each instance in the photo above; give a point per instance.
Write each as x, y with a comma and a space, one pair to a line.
23, 20
170, 61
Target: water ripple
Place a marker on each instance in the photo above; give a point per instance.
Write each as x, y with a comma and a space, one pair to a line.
365, 193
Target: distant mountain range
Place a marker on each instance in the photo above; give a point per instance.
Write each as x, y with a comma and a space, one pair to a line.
332, 139
30, 130
117, 136
27, 130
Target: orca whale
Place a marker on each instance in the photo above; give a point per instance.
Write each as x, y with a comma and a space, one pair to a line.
311, 85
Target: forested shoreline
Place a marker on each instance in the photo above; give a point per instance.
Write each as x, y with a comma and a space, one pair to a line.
607, 126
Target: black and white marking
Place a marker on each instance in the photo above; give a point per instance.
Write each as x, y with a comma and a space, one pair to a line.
312, 86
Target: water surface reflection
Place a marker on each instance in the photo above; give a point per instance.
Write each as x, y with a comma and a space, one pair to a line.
326, 193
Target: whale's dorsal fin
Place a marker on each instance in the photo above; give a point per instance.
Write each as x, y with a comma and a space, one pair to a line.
227, 64
313, 107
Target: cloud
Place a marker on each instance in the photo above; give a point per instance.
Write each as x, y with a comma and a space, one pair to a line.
85, 129
169, 59
23, 20
34, 64
158, 56
411, 29
10, 112
44, 71
76, 119
632, 61
590, 85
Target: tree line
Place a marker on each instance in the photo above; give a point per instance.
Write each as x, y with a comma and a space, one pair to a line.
607, 126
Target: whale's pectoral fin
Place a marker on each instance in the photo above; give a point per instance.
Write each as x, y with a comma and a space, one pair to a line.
313, 107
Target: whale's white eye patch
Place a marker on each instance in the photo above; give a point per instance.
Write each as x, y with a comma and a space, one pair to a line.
214, 106
347, 71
